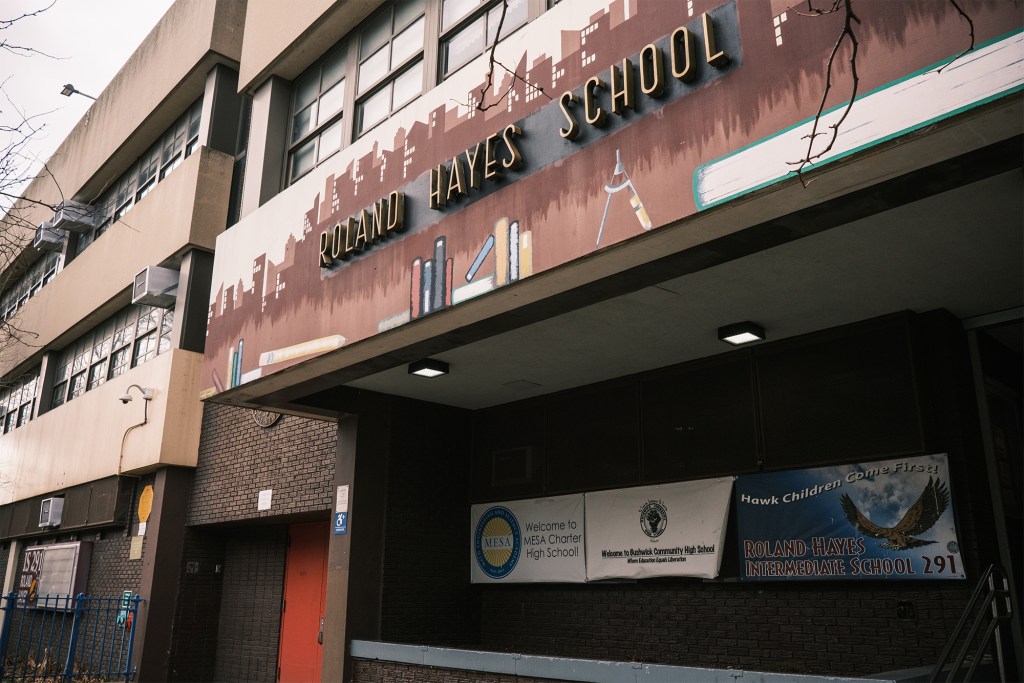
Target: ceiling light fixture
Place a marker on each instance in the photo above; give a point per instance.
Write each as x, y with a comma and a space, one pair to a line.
428, 367
741, 333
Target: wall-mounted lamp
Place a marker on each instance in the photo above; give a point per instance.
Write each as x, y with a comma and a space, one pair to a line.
741, 333
126, 397
428, 367
70, 90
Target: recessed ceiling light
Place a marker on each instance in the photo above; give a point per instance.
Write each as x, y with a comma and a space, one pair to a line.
428, 367
741, 333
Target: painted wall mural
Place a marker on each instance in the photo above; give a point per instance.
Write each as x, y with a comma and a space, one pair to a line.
592, 150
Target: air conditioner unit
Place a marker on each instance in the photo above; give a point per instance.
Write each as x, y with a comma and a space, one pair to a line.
156, 286
74, 216
50, 511
48, 239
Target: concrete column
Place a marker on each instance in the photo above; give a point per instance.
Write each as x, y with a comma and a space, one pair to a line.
265, 158
355, 560
218, 127
193, 301
161, 567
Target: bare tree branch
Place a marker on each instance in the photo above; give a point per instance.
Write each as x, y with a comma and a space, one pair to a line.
970, 47
492, 62
846, 35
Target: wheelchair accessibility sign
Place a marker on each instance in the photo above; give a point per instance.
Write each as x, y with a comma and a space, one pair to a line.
340, 523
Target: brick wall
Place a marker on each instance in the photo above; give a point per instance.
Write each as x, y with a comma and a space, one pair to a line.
227, 617
250, 608
365, 671
111, 571
197, 612
685, 622
426, 596
238, 459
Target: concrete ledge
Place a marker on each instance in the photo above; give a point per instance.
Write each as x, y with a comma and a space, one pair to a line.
565, 669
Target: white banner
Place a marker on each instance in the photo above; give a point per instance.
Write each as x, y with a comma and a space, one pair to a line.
666, 530
523, 541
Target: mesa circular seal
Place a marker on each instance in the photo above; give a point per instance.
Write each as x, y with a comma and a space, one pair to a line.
497, 542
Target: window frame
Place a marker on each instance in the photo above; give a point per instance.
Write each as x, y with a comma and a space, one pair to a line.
464, 23
368, 91
109, 350
317, 127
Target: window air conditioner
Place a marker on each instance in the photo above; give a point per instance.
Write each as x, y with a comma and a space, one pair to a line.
48, 239
50, 511
74, 216
156, 286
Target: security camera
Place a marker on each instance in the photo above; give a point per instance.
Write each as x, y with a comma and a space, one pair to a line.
124, 398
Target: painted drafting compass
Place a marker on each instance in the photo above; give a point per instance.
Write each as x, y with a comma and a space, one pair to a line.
620, 181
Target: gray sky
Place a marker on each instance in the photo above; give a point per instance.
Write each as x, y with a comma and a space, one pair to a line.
89, 41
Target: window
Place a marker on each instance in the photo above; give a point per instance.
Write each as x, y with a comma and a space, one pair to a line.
28, 285
390, 71
166, 154
469, 27
17, 400
317, 130
129, 338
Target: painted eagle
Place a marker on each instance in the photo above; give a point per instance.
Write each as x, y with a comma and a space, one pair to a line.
921, 517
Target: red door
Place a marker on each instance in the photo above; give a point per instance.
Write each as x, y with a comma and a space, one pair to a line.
305, 592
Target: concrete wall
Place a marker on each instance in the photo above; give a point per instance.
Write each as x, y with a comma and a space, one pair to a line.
82, 440
161, 79
187, 209
283, 38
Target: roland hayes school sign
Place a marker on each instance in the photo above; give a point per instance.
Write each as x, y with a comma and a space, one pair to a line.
484, 163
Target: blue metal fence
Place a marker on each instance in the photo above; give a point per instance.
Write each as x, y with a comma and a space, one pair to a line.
64, 638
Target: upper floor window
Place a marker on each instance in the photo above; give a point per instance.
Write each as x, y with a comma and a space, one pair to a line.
17, 400
176, 143
28, 285
390, 71
469, 27
129, 338
317, 131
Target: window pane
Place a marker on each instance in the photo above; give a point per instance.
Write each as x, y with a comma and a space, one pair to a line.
515, 17
331, 102
374, 109
373, 69
119, 361
407, 43
330, 141
77, 385
408, 86
453, 10
306, 91
464, 46
303, 159
303, 122
147, 320
406, 11
145, 348
98, 374
376, 33
333, 69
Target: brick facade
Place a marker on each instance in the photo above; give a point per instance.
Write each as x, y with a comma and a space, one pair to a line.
250, 609
228, 614
390, 672
237, 459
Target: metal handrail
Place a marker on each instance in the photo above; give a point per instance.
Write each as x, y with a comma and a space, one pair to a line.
984, 604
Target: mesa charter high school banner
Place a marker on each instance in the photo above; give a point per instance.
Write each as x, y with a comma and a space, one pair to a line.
523, 541
891, 519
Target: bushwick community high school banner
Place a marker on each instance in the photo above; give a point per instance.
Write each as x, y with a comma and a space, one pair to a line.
667, 530
891, 519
